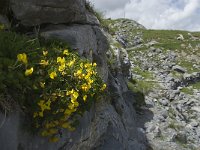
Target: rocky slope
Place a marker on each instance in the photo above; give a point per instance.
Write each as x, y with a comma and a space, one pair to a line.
153, 79
165, 67
111, 123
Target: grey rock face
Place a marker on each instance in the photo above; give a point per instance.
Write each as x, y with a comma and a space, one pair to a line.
37, 12
114, 124
88, 40
111, 122
4, 20
14, 136
180, 37
179, 69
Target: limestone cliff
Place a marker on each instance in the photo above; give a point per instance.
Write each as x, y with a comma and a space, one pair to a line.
111, 123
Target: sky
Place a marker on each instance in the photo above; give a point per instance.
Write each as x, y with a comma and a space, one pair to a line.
154, 14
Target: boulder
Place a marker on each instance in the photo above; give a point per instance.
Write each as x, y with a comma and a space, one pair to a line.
88, 41
37, 12
180, 37
4, 21
179, 69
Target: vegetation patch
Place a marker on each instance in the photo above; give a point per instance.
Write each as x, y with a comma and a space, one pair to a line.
141, 86
188, 66
51, 83
196, 85
187, 90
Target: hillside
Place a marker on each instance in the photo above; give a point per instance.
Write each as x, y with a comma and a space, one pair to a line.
58, 89
165, 68
71, 80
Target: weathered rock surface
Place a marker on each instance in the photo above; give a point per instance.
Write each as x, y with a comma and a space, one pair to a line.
4, 21
112, 121
165, 67
36, 12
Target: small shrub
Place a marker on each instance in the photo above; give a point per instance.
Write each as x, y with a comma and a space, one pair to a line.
100, 16
51, 83
66, 85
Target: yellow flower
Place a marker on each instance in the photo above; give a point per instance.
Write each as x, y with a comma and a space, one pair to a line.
47, 105
35, 114
51, 124
87, 77
22, 58
29, 71
53, 75
81, 65
71, 63
71, 128
86, 87
68, 112
54, 139
53, 131
78, 73
45, 53
86, 65
44, 62
44, 133
44, 106
103, 87
94, 64
61, 68
85, 97
73, 106
63, 73
60, 60
75, 95
90, 81
66, 52
41, 114
70, 92
94, 72
65, 125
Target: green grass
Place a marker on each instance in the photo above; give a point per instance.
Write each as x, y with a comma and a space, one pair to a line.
187, 90
177, 74
145, 74
141, 86
196, 86
100, 16
188, 66
168, 38
12, 79
175, 126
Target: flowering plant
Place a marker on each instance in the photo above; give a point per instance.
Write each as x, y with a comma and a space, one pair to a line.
66, 86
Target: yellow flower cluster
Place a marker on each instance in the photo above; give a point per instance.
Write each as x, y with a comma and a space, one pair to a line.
43, 106
67, 85
22, 58
29, 71
52, 75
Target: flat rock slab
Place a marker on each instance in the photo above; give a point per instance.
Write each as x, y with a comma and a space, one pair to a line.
37, 12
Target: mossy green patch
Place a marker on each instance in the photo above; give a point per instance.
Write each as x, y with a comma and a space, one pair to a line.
196, 85
145, 74
187, 65
187, 90
177, 74
141, 86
